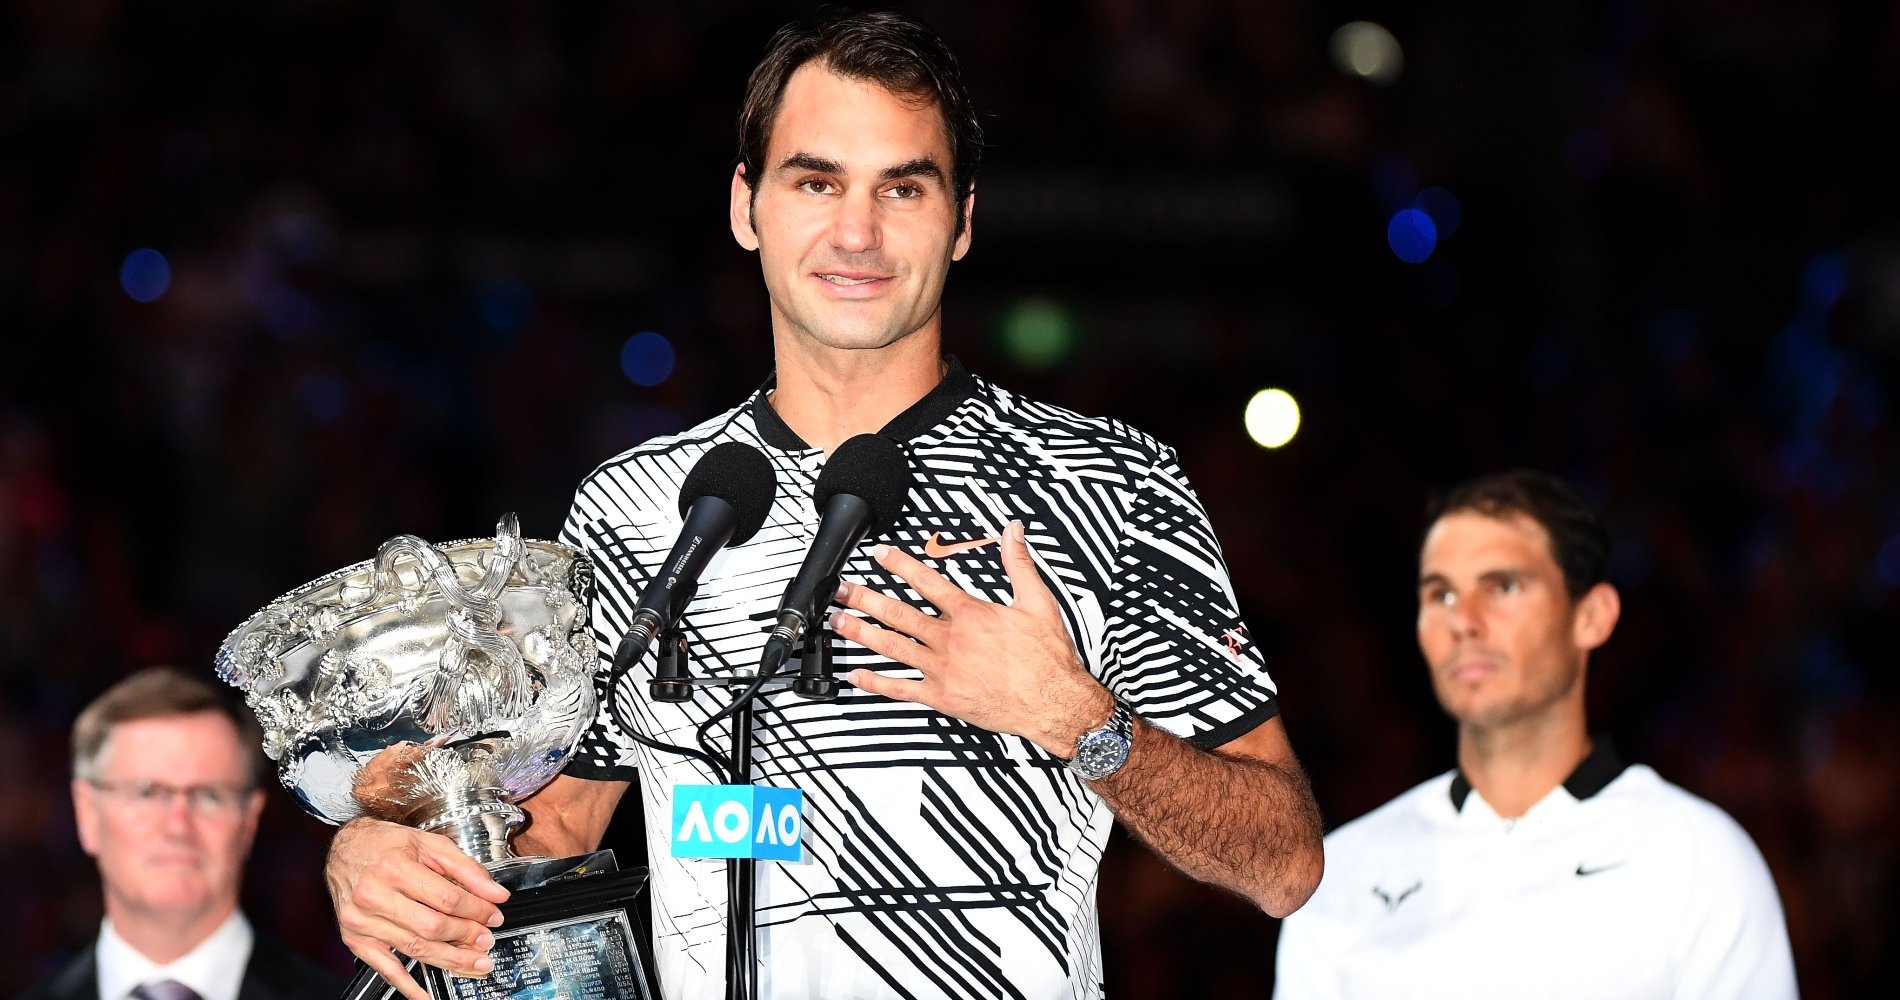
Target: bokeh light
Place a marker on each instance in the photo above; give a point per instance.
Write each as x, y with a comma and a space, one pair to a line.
647, 358
1038, 333
145, 275
1272, 418
1366, 50
1412, 235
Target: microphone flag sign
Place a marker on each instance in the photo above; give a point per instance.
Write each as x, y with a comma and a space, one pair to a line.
738, 821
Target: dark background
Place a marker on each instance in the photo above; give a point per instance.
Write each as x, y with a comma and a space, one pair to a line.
408, 241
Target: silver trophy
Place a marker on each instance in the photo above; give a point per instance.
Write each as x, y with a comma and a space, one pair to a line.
437, 686
434, 686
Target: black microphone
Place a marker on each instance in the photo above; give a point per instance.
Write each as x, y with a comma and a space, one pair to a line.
860, 493
724, 501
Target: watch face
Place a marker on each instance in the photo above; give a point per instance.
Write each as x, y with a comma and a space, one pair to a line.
1100, 754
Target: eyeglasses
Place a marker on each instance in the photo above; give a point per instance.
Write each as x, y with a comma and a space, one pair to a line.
154, 797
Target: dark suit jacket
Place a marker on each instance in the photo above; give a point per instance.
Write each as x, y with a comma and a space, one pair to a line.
273, 973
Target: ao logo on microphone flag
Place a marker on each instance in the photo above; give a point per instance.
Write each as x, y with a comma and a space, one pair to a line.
737, 821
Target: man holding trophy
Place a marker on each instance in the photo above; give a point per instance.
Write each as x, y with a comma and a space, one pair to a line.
1044, 641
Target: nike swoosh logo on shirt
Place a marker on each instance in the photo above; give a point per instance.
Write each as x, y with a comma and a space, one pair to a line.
1584, 872
936, 549
1392, 902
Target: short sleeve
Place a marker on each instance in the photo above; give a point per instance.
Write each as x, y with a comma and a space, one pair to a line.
1736, 941
605, 752
1306, 966
1177, 650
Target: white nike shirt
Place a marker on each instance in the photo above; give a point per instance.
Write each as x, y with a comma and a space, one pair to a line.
1632, 888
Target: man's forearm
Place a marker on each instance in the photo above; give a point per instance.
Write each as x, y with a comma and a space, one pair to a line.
545, 839
1245, 824
568, 817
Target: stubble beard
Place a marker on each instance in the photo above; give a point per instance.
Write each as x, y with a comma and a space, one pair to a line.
1496, 719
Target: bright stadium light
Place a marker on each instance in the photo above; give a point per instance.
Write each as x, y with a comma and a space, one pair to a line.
1368, 51
1272, 418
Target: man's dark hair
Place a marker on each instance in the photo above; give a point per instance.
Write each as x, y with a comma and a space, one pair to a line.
896, 52
1578, 540
159, 693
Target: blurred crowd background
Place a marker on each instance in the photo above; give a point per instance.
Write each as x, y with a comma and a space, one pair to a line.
281, 280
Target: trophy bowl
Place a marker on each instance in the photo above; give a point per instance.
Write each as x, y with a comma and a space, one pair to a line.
434, 686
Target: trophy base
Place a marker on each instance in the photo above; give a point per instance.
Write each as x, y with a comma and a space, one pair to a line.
571, 930
532, 872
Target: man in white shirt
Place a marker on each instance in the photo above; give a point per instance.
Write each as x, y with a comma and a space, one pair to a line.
1543, 866
166, 800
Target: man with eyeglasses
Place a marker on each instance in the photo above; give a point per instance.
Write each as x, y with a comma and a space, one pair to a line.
166, 800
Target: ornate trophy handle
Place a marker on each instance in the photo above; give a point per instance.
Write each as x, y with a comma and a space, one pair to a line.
434, 685
481, 673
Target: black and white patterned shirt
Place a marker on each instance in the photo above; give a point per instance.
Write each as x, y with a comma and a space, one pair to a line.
941, 859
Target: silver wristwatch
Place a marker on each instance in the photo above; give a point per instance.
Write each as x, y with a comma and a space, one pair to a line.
1101, 752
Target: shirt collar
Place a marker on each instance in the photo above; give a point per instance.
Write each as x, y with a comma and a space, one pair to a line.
956, 386
214, 968
1592, 775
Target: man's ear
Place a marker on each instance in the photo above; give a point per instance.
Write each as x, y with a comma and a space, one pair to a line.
969, 221
86, 816
1595, 617
253, 808
739, 211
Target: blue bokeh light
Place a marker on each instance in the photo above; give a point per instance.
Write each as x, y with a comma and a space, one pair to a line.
145, 275
647, 358
1412, 235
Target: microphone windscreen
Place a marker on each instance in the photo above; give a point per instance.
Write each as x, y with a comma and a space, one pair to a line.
872, 468
740, 475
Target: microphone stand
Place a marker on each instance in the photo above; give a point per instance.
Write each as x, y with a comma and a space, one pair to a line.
742, 900
814, 682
